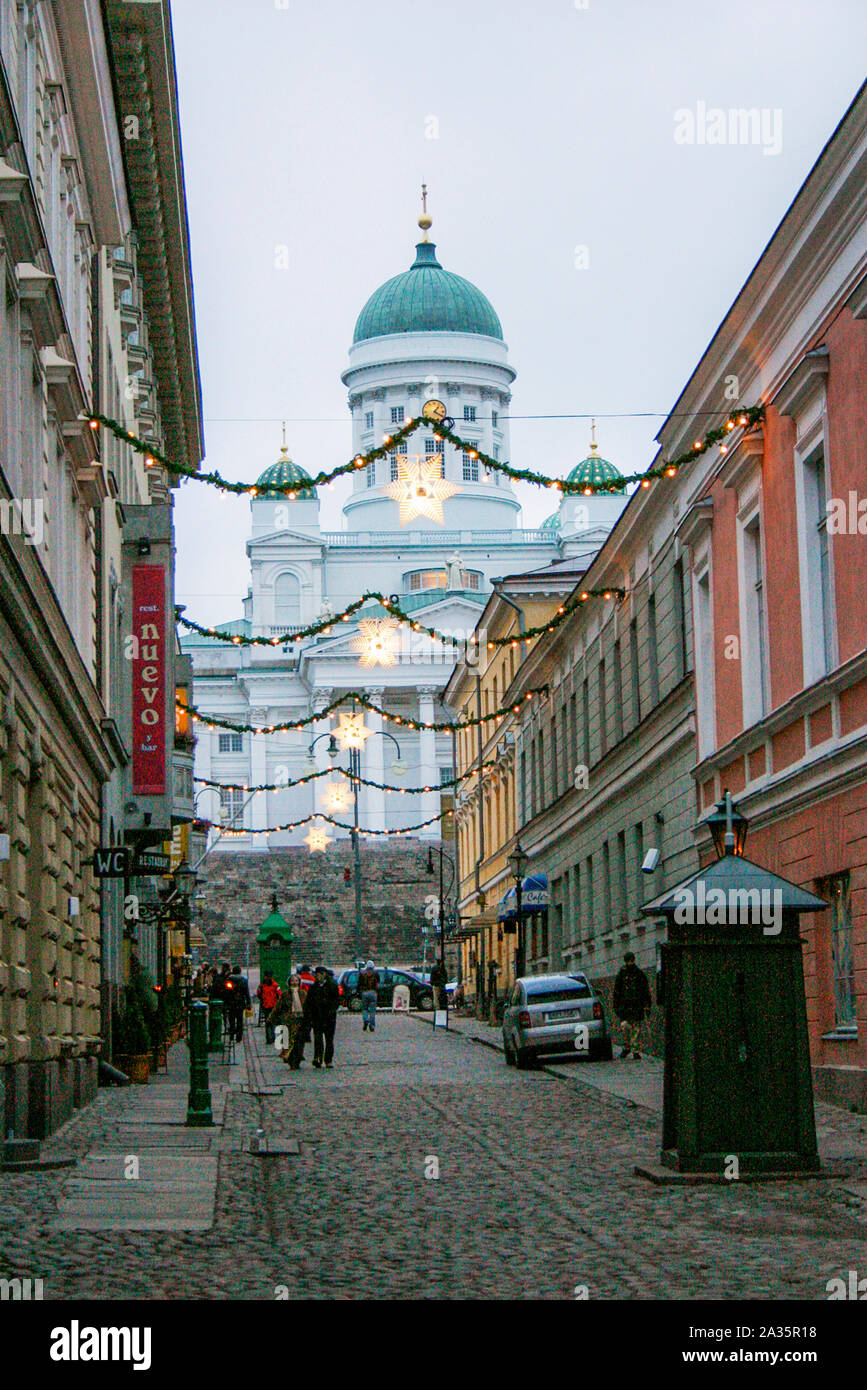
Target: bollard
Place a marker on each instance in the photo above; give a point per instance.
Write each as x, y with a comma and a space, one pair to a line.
215, 1025
199, 1102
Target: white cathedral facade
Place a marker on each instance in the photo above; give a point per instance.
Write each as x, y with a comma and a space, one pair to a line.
425, 334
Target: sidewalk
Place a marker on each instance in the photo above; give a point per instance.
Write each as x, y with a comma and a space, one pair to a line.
144, 1169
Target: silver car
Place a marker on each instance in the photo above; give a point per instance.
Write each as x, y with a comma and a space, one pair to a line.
549, 1014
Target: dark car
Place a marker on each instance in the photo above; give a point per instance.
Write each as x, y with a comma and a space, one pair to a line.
420, 992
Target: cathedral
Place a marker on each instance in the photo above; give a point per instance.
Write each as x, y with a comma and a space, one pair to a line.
427, 334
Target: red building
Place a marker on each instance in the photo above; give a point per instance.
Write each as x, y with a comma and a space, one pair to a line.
777, 534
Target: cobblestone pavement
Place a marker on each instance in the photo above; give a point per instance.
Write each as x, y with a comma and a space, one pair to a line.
535, 1195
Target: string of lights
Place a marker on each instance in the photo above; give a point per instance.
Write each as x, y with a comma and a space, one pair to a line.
213, 721
339, 825
743, 418
327, 771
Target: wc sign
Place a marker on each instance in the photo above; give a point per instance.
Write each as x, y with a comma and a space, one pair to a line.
109, 862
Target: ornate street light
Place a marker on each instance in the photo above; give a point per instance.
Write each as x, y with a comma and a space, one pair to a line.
518, 860
727, 827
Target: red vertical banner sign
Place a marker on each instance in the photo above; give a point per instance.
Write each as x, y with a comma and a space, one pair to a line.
149, 680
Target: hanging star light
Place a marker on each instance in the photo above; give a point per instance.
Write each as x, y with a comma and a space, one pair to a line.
352, 730
316, 839
336, 796
377, 641
420, 489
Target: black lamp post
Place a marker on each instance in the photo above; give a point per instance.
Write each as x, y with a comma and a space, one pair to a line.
727, 827
442, 909
518, 861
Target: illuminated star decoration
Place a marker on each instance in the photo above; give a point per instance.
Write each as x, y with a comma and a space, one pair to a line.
316, 839
337, 796
420, 489
377, 640
352, 730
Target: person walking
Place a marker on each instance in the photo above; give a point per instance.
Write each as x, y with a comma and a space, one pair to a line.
289, 1014
268, 995
320, 1013
438, 985
237, 997
368, 984
631, 1004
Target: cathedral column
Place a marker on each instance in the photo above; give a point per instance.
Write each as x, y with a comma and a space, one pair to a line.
256, 815
316, 789
372, 799
428, 770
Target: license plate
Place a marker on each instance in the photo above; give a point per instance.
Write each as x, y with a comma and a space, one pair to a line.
562, 1016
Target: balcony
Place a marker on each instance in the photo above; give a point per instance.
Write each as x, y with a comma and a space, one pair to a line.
438, 539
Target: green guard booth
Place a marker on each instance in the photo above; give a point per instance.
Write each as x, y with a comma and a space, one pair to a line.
737, 1075
275, 940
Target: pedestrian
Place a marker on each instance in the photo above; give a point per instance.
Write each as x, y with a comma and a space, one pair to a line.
320, 1013
237, 996
289, 1014
631, 1004
368, 984
268, 995
217, 988
438, 984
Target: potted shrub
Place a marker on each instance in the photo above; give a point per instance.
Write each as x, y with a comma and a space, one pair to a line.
132, 1045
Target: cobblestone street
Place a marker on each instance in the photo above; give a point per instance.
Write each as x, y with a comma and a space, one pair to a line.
535, 1196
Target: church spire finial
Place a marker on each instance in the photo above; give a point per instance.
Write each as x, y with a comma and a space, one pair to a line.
283, 446
593, 444
425, 221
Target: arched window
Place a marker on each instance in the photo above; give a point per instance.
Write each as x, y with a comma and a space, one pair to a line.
287, 601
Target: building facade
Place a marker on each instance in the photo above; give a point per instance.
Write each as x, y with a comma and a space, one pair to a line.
78, 260
426, 334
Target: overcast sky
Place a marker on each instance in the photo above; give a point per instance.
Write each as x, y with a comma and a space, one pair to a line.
307, 126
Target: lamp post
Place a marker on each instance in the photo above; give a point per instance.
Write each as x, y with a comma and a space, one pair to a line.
518, 860
355, 779
442, 909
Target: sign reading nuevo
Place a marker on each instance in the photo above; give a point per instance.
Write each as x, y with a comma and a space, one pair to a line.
149, 681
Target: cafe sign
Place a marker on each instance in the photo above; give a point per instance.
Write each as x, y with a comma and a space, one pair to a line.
149, 680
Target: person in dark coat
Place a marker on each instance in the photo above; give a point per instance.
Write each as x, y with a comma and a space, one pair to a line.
438, 984
631, 1003
320, 1014
237, 999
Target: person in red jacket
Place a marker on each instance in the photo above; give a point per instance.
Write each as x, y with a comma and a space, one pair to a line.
268, 995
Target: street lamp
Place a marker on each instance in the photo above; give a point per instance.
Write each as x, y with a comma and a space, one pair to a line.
518, 861
727, 827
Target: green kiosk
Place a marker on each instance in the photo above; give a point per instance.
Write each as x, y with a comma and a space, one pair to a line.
737, 1090
275, 946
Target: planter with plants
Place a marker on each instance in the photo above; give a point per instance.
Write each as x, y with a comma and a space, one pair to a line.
132, 1044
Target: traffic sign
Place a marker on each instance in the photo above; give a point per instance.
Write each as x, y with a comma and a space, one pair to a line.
110, 861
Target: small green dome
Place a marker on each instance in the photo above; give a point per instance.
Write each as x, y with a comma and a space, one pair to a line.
427, 299
596, 472
275, 925
552, 522
283, 475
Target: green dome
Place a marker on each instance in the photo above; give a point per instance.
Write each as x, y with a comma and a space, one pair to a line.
275, 925
426, 299
595, 471
283, 475
552, 522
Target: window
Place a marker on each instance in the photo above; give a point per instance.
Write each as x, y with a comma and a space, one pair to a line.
704, 682
754, 665
470, 413
837, 891
368, 419
495, 453
638, 840
603, 720
681, 658
652, 652
287, 601
523, 815
585, 713
230, 743
393, 471
447, 775
397, 414
590, 899
817, 598
470, 469
634, 672
426, 579
617, 690
622, 881
606, 887
495, 419
370, 475
435, 446
232, 807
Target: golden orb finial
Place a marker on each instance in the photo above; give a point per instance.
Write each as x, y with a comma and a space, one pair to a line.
425, 221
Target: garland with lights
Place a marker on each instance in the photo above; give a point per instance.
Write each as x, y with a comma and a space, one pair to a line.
327, 771
438, 726
746, 419
326, 625
321, 816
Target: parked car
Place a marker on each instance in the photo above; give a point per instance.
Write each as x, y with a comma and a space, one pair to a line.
420, 992
541, 1014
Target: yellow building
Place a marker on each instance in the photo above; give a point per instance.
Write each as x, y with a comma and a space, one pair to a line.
485, 801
